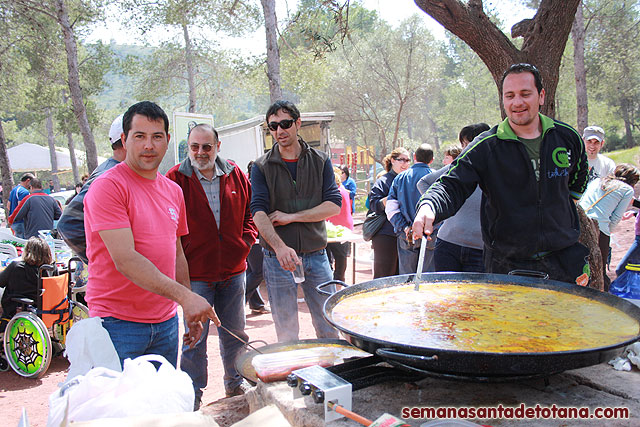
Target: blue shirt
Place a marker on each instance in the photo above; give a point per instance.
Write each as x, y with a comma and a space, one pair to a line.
350, 185
404, 190
17, 194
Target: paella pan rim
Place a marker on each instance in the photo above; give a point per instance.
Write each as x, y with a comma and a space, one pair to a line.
489, 362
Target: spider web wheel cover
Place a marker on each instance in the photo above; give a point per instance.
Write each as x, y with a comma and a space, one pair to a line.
27, 345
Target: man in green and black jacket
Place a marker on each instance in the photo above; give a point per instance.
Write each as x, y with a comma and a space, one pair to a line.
531, 169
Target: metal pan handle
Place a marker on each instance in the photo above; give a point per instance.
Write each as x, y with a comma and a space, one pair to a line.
403, 357
329, 283
250, 344
530, 273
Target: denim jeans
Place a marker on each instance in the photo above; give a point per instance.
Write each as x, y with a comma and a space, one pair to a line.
451, 257
254, 277
18, 229
227, 299
408, 257
133, 339
631, 257
283, 294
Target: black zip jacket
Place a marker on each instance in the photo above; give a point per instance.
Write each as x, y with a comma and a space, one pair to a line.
520, 217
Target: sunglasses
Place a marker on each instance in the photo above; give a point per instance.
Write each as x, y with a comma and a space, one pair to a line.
284, 124
205, 147
402, 159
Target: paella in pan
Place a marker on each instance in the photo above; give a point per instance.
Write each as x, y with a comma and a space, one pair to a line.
479, 317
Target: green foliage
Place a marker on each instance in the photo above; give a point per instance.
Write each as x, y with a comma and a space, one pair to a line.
629, 155
613, 64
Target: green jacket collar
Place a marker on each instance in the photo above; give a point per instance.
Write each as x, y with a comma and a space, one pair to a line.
505, 131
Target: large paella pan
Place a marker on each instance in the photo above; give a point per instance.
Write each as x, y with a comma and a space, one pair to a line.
483, 325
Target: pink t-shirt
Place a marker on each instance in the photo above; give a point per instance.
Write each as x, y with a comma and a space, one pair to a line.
155, 212
344, 218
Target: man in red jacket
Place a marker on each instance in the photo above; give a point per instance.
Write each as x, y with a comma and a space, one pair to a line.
221, 232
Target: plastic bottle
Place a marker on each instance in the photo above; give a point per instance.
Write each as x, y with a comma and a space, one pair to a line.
52, 246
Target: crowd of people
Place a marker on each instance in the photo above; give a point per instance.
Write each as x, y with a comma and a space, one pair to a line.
205, 235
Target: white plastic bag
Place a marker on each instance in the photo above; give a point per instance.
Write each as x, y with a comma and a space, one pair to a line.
139, 389
89, 346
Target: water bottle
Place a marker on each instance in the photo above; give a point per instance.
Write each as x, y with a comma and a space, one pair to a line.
52, 246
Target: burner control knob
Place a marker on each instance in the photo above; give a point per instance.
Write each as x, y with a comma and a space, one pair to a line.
292, 381
318, 396
305, 388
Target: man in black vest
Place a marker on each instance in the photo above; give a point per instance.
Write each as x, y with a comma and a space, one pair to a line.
293, 192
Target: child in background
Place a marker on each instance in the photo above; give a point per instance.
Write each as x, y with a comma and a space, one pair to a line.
339, 252
20, 278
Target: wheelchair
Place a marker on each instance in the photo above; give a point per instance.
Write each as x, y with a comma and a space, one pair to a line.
38, 330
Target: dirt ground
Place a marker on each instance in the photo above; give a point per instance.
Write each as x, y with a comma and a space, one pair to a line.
17, 392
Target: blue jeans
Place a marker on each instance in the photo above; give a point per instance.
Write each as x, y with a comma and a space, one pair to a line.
408, 257
451, 257
133, 339
227, 299
18, 229
283, 294
631, 257
254, 277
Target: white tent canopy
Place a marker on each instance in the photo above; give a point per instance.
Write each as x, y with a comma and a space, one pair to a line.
29, 157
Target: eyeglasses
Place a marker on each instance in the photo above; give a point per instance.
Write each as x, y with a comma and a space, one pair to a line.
205, 147
284, 124
402, 159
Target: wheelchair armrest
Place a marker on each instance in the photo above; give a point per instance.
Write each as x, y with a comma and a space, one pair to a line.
23, 301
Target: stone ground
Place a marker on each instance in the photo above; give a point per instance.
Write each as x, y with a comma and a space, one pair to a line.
17, 392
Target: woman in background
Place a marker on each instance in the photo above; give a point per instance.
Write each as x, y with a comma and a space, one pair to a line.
340, 251
606, 200
384, 242
350, 185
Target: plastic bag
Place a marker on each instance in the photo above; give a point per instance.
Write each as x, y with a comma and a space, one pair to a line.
139, 389
627, 285
89, 346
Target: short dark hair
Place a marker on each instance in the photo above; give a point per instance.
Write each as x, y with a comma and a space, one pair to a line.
203, 126
116, 145
36, 183
149, 109
345, 169
27, 176
523, 68
424, 153
287, 106
471, 131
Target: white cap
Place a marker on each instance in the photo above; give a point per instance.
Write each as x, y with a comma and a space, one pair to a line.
593, 132
115, 133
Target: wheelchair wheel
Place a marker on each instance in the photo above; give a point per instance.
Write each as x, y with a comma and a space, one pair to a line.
60, 330
27, 345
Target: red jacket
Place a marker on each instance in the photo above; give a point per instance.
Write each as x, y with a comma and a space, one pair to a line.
216, 252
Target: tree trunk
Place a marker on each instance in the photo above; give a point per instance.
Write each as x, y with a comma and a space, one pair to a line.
433, 132
52, 151
5, 168
71, 145
545, 37
72, 154
188, 57
74, 85
626, 116
273, 54
578, 33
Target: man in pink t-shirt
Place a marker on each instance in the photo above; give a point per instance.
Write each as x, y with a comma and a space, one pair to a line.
134, 218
